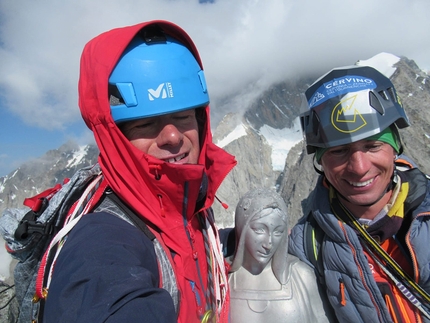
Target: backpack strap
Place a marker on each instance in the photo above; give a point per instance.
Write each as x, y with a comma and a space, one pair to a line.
131, 215
89, 198
313, 236
166, 272
404, 164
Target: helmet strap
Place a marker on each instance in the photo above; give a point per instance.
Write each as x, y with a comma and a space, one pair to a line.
314, 162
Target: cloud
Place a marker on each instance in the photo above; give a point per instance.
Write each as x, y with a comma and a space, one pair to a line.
246, 45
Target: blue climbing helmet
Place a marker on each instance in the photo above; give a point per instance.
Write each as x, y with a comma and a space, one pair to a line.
156, 74
349, 104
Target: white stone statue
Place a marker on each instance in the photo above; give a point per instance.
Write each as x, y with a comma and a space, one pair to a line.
266, 283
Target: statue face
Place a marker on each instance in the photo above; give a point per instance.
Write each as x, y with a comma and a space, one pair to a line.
261, 241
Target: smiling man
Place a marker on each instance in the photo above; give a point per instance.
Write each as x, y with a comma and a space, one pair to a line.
370, 206
143, 94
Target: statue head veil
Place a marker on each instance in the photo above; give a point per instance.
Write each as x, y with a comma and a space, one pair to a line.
250, 207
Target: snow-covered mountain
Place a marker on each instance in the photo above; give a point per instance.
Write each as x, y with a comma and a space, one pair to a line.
37, 175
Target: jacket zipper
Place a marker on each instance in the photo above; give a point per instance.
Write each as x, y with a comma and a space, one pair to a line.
360, 270
191, 239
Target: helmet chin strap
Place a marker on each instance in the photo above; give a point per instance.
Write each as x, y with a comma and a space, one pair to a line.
319, 171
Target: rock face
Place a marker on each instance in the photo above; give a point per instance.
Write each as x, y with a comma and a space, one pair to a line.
299, 180
413, 86
254, 169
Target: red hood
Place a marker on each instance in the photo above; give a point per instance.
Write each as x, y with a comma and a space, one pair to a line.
130, 172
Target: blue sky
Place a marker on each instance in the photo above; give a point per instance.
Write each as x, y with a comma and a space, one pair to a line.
20, 142
246, 45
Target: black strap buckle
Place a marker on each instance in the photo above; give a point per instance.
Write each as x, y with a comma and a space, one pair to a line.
29, 224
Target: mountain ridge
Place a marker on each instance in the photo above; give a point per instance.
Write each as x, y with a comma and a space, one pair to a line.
246, 137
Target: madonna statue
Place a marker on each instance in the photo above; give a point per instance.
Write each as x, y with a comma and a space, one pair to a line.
266, 283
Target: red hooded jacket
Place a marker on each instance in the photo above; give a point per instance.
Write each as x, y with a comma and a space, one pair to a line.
166, 203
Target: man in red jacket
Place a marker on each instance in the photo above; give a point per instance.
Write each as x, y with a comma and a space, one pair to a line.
143, 93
